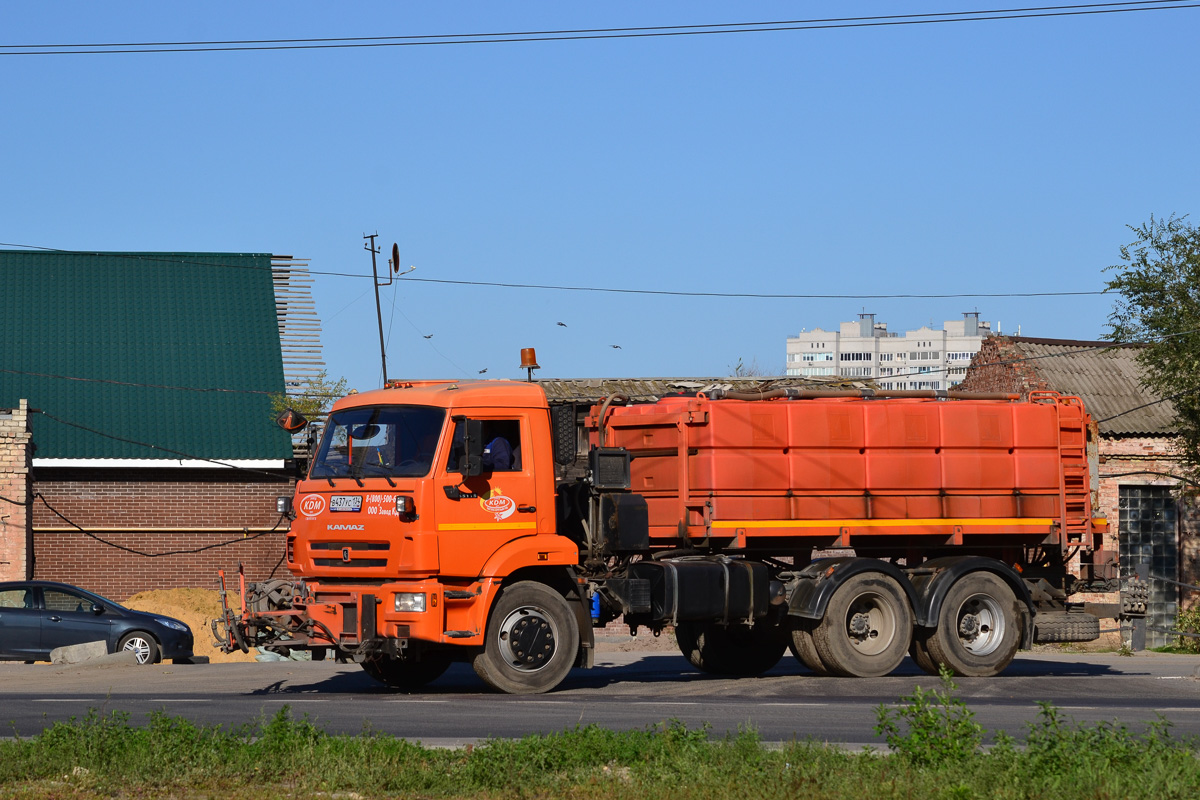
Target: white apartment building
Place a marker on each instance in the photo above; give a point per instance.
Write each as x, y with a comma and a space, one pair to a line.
922, 359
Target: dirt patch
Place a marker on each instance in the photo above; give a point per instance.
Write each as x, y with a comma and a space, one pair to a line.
196, 607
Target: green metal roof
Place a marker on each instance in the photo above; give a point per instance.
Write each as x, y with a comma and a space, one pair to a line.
129, 325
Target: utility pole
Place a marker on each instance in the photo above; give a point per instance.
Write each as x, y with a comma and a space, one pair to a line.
378, 311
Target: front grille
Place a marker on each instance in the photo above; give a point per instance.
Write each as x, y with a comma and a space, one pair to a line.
351, 545
354, 562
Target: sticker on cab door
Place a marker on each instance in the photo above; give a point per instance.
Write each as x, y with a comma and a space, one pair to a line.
496, 504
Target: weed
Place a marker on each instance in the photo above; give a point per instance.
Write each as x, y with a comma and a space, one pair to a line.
1189, 622
940, 727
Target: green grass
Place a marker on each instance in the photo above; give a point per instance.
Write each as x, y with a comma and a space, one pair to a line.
107, 756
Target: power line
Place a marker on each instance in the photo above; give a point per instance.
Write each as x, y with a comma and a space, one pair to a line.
151, 259
751, 295
160, 448
246, 537
596, 33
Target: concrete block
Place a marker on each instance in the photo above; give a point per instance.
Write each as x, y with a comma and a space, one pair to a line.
77, 653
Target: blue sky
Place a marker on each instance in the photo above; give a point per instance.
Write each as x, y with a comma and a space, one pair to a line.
988, 157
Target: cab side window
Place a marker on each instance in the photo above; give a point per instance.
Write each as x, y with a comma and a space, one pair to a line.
501, 445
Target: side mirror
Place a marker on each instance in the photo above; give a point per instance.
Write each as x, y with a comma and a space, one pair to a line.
470, 463
291, 421
97, 608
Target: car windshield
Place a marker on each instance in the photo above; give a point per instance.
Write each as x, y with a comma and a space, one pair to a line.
379, 441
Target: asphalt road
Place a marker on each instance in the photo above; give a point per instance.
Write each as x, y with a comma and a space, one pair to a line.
625, 691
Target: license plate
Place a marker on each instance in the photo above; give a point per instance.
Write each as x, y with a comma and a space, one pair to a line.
345, 502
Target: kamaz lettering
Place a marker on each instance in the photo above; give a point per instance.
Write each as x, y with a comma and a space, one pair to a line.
343, 527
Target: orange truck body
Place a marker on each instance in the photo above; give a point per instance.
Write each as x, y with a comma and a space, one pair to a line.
714, 524
843, 472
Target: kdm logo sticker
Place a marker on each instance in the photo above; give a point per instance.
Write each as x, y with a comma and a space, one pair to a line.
312, 504
497, 504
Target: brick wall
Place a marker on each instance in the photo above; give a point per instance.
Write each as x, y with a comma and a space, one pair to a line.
1124, 460
1150, 460
15, 531
227, 517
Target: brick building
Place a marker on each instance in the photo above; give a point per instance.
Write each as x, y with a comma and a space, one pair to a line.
155, 460
16, 532
1156, 524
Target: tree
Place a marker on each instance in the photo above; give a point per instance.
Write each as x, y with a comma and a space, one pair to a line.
751, 370
313, 400
1159, 305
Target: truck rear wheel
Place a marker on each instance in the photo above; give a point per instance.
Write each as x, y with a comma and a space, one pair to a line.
531, 640
978, 627
736, 650
406, 675
802, 645
866, 629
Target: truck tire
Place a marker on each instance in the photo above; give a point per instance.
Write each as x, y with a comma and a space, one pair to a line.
735, 650
978, 627
921, 656
531, 640
802, 646
867, 627
1059, 626
407, 676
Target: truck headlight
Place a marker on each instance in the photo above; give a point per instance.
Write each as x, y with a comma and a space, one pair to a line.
404, 507
410, 601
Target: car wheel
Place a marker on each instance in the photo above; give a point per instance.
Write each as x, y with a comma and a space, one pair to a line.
142, 645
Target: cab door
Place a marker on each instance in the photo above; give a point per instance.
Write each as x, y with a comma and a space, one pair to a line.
478, 516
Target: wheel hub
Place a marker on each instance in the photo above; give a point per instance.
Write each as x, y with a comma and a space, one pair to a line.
528, 639
968, 626
860, 625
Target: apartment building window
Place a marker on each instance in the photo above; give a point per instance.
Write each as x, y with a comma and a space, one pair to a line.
926, 385
811, 371
959, 356
887, 370
857, 356
885, 356
818, 356
925, 355
856, 372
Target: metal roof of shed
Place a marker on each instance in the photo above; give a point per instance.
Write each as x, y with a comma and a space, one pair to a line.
1106, 377
174, 350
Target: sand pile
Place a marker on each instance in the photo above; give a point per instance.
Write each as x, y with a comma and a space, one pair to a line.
196, 607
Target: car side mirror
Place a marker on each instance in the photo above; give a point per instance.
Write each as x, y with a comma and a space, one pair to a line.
97, 608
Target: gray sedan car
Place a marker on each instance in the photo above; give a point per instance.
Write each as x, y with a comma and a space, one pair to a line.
38, 616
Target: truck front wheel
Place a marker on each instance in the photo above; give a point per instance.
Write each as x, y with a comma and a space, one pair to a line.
978, 627
406, 675
531, 640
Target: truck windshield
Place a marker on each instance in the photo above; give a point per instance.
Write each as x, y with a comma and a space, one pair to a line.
379, 441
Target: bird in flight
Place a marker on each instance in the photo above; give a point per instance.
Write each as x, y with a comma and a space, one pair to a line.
615, 346
430, 336
483, 370
562, 324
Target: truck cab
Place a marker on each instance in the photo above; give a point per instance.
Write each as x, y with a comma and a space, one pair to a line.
420, 501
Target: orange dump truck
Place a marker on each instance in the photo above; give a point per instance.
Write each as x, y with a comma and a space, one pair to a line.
473, 521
